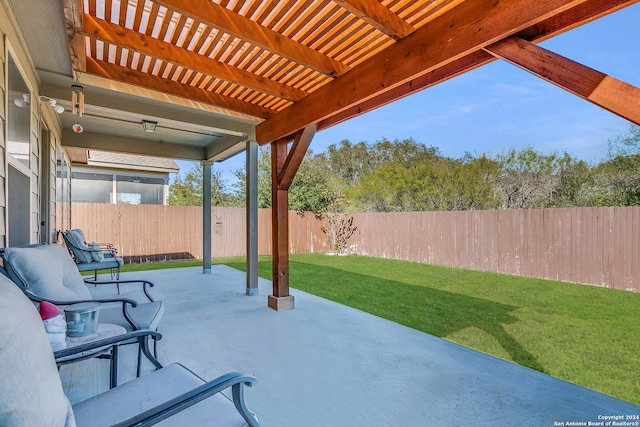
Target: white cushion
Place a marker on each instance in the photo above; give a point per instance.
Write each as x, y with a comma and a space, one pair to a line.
30, 389
48, 271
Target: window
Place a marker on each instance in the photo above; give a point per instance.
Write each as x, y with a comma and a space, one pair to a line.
92, 187
140, 190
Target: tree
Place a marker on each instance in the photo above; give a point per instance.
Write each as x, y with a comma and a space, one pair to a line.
347, 160
617, 180
307, 191
526, 178
575, 183
187, 190
627, 144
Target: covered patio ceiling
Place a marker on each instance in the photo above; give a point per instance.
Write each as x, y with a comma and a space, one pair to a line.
215, 74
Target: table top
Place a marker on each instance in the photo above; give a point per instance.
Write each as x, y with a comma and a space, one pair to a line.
104, 330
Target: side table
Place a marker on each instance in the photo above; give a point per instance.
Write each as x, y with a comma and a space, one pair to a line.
104, 330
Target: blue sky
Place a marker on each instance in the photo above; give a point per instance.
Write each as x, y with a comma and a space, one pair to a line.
499, 106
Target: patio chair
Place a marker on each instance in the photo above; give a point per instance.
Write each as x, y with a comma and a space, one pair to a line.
32, 394
92, 256
47, 273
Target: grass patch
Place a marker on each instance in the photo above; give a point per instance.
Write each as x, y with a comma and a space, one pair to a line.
582, 334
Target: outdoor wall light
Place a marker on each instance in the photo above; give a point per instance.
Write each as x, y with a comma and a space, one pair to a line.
26, 100
149, 126
57, 108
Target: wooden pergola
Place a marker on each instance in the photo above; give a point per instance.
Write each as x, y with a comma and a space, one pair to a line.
296, 67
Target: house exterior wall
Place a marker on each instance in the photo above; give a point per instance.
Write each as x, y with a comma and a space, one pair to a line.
3, 117
42, 189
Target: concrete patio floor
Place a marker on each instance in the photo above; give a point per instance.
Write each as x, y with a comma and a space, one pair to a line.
324, 364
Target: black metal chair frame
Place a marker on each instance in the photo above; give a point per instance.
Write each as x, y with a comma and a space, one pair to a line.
105, 247
125, 304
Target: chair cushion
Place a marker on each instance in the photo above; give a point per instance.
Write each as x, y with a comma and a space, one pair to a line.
79, 247
107, 262
48, 271
146, 315
134, 397
96, 252
30, 390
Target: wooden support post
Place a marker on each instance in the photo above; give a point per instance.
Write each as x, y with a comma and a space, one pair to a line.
605, 91
280, 300
284, 165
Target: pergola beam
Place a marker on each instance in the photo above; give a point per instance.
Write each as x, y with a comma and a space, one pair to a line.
605, 91
216, 16
73, 15
379, 17
149, 46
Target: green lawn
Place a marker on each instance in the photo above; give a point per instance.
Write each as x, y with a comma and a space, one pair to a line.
583, 334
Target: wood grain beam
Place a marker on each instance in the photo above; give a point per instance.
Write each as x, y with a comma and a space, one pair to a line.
449, 37
147, 45
280, 299
73, 22
379, 17
605, 91
216, 16
284, 165
139, 78
585, 12
298, 150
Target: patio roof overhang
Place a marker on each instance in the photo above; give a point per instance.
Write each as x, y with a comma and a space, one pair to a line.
215, 74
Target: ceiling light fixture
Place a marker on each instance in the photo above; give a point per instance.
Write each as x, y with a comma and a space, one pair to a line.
149, 126
77, 99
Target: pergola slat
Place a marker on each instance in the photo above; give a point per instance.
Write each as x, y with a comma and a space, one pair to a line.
150, 46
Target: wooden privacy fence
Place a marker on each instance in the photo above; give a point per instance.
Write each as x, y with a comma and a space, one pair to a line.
596, 246
156, 233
